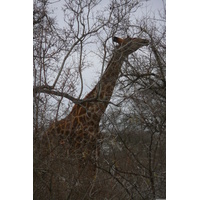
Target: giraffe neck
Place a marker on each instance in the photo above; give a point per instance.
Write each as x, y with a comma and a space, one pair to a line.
102, 92
104, 88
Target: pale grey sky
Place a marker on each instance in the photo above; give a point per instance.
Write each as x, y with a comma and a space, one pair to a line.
90, 75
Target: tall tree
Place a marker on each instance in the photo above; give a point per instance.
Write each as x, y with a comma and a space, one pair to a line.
132, 158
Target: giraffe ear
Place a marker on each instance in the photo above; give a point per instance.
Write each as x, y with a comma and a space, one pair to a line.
118, 40
115, 39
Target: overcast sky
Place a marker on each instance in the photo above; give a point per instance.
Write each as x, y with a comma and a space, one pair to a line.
90, 75
149, 8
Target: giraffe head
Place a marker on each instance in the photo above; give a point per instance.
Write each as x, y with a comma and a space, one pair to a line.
129, 45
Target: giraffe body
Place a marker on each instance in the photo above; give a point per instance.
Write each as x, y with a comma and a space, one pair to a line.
79, 131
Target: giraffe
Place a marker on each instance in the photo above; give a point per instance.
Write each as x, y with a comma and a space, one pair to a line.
79, 131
